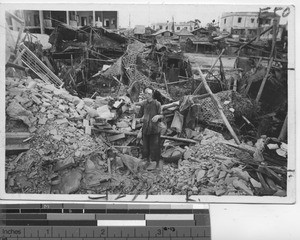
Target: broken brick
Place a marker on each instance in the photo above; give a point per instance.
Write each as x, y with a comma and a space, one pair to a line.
64, 163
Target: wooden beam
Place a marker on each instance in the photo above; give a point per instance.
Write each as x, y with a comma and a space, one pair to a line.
17, 135
219, 107
16, 148
248, 149
15, 138
19, 20
170, 105
264, 81
274, 31
116, 137
179, 139
182, 81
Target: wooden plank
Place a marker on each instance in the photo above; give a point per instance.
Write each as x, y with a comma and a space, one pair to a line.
248, 149
16, 148
271, 184
133, 123
18, 135
116, 137
12, 138
128, 141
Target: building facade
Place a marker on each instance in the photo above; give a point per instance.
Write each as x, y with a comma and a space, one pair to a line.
173, 26
238, 20
45, 21
246, 24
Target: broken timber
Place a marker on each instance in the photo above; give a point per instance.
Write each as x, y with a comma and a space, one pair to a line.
135, 134
270, 61
16, 148
253, 39
16, 137
37, 66
220, 109
210, 70
283, 132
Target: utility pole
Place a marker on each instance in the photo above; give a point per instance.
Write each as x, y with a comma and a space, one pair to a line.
129, 20
173, 24
272, 56
258, 25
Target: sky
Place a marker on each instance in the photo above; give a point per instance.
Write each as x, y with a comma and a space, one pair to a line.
146, 13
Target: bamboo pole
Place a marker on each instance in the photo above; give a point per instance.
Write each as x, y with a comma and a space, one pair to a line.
211, 68
220, 109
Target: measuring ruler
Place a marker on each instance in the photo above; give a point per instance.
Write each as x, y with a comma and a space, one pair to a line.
104, 222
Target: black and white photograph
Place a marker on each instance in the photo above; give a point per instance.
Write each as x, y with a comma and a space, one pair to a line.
149, 102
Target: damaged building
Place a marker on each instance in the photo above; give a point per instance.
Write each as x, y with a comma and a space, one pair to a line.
71, 125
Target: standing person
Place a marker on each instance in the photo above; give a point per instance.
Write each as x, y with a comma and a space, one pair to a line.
152, 112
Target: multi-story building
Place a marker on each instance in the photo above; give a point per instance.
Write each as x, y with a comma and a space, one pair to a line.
246, 24
174, 26
45, 21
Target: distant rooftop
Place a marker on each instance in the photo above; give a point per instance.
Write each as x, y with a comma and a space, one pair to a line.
229, 14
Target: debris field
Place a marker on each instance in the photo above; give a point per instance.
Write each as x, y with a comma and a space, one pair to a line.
71, 125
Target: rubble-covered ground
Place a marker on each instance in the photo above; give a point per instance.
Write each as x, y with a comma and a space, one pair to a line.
69, 152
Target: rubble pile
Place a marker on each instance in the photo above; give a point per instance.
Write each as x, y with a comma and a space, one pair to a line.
212, 168
81, 136
59, 140
65, 158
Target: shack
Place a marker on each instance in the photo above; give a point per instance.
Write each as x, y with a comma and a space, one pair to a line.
200, 45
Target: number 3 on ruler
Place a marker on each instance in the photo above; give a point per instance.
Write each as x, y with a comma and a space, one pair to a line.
158, 233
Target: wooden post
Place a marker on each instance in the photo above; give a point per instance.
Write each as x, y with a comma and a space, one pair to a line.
94, 19
270, 61
211, 68
67, 18
283, 132
41, 16
220, 109
237, 60
264, 81
166, 84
